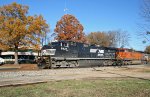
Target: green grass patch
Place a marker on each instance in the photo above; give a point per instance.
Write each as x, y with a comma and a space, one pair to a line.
115, 87
147, 71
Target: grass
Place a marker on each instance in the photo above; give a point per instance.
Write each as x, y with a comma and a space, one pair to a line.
115, 87
146, 71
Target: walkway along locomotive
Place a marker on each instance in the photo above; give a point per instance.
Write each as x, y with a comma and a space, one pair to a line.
74, 54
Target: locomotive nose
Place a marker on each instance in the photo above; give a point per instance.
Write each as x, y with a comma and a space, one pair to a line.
48, 50
47, 47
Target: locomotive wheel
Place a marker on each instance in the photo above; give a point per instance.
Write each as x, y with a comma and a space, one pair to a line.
73, 64
105, 63
110, 63
41, 65
119, 64
114, 64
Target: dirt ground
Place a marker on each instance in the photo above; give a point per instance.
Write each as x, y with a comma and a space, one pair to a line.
19, 67
29, 73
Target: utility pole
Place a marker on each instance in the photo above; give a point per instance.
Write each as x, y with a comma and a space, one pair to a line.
66, 9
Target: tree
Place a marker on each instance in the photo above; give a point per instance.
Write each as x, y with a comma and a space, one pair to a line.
109, 39
99, 38
112, 38
145, 12
17, 30
69, 28
147, 49
145, 25
122, 38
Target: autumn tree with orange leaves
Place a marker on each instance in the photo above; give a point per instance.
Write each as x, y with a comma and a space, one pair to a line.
69, 28
18, 30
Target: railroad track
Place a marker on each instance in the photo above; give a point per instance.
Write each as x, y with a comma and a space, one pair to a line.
12, 78
25, 67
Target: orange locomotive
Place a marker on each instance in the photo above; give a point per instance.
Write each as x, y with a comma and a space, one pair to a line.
128, 56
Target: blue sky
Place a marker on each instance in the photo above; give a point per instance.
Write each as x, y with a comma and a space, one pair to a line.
94, 15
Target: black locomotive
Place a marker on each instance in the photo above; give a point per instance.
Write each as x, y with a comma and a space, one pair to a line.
75, 54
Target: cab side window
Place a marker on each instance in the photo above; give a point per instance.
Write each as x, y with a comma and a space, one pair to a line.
64, 44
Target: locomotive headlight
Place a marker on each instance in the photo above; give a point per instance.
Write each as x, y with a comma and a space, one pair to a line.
48, 52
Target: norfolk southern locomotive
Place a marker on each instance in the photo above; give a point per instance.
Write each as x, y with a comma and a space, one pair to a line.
74, 54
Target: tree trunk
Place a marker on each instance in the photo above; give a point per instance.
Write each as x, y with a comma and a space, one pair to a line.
16, 56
